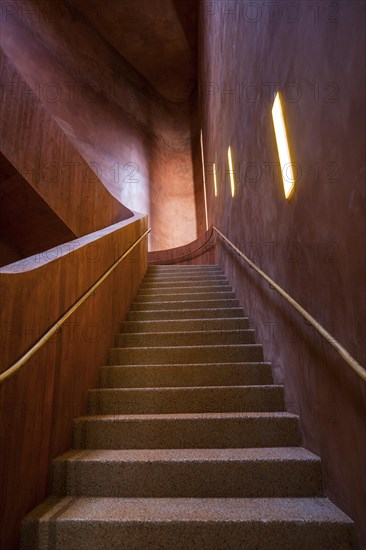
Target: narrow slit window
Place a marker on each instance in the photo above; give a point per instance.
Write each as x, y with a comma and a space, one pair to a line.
283, 149
215, 178
231, 171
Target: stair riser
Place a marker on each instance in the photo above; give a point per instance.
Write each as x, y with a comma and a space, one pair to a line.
189, 479
166, 315
198, 433
207, 460
199, 338
187, 283
184, 297
185, 325
184, 355
183, 290
193, 535
165, 268
185, 376
186, 269
155, 401
163, 279
187, 304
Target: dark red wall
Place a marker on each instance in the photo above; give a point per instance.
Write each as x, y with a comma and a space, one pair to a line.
313, 246
97, 87
49, 173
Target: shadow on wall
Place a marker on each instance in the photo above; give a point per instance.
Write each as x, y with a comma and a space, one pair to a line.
136, 142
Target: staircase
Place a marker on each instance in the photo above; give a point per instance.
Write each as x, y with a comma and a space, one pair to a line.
187, 444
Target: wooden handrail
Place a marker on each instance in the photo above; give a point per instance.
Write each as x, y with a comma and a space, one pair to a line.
56, 326
361, 371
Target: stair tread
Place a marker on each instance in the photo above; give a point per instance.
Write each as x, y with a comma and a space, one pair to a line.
193, 510
187, 332
208, 346
186, 314
197, 479
188, 301
188, 365
186, 375
248, 387
191, 455
198, 319
172, 265
188, 293
181, 290
186, 276
238, 308
186, 416
185, 304
162, 267
178, 322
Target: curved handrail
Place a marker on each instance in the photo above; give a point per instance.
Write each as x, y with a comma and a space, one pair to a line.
326, 335
56, 326
186, 256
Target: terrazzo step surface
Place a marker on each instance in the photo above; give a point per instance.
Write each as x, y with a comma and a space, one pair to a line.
186, 271
187, 430
187, 444
176, 267
193, 290
188, 303
184, 296
280, 472
186, 354
187, 325
214, 374
179, 277
186, 282
186, 400
196, 313
187, 524
187, 338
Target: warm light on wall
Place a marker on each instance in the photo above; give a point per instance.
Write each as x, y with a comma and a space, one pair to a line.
215, 180
232, 175
204, 180
288, 177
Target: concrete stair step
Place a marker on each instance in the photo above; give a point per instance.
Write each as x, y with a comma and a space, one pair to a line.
188, 296
187, 338
183, 325
165, 315
183, 269
214, 473
181, 277
214, 374
187, 444
187, 523
187, 283
187, 431
186, 304
182, 290
186, 354
186, 400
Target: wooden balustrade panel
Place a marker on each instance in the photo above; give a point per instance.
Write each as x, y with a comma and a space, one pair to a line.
39, 402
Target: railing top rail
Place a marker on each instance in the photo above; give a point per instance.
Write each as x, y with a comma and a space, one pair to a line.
351, 361
183, 257
56, 326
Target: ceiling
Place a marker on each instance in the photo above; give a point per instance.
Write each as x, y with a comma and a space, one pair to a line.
157, 37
